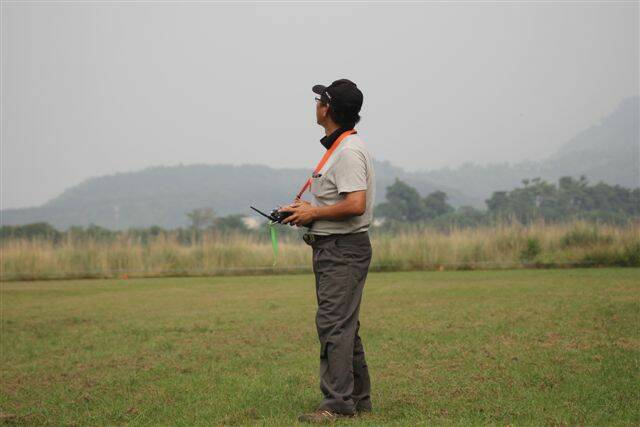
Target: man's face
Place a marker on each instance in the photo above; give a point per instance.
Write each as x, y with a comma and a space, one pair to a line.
321, 112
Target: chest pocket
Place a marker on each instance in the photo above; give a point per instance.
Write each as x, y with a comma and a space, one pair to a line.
322, 187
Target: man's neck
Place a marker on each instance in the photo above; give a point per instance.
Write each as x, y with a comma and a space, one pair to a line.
330, 128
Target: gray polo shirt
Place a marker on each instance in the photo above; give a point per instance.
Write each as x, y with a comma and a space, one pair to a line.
350, 168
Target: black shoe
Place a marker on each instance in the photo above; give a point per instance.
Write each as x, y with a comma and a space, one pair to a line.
363, 406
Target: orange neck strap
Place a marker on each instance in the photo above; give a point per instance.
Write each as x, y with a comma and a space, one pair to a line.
325, 158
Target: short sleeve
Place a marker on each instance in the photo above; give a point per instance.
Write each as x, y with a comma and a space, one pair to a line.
350, 171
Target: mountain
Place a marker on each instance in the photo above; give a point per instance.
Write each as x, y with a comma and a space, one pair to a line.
162, 195
608, 151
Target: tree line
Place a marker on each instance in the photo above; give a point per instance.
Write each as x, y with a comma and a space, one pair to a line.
202, 221
570, 199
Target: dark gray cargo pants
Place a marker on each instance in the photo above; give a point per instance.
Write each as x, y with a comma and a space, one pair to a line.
340, 264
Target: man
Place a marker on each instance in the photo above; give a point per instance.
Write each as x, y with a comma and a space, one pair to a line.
339, 216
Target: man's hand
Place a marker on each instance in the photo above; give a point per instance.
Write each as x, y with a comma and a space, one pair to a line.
353, 204
303, 213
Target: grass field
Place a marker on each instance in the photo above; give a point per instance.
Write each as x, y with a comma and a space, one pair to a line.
467, 347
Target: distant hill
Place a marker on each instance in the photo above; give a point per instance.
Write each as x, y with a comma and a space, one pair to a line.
608, 151
163, 195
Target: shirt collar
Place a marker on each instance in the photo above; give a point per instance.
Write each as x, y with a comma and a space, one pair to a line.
328, 140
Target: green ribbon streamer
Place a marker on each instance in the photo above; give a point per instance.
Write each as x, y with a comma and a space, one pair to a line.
274, 242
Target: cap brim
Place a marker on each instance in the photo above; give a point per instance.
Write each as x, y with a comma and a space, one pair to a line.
319, 89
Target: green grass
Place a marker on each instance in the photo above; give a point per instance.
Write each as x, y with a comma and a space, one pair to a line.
477, 347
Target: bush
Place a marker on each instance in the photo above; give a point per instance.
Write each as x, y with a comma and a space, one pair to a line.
631, 255
531, 250
584, 237
627, 257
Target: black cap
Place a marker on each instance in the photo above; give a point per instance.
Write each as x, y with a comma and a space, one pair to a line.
343, 95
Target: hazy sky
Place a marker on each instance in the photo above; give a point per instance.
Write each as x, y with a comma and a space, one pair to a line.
96, 88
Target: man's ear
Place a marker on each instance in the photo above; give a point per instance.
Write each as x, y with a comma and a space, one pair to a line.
326, 112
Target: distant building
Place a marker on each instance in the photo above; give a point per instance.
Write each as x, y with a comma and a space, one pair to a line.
251, 223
